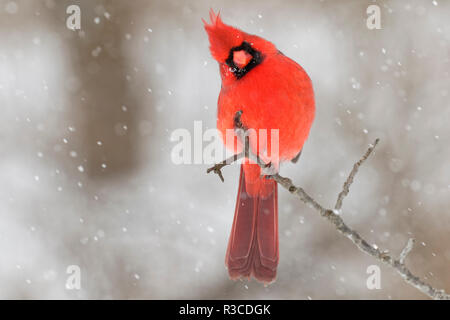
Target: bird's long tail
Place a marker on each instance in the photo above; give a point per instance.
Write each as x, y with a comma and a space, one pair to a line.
253, 244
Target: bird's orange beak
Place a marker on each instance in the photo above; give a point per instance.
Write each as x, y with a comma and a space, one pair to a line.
241, 58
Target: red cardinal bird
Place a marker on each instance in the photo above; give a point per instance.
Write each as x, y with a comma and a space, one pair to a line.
273, 92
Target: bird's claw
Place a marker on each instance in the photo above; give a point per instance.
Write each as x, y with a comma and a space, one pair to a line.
268, 170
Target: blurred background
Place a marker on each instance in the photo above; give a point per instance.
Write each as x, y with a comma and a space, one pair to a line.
85, 150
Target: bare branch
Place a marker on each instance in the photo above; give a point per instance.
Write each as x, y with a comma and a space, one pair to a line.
334, 217
349, 181
362, 244
217, 168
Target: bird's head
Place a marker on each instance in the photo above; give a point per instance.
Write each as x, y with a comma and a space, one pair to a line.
236, 52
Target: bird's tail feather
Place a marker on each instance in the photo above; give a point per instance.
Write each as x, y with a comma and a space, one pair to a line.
253, 244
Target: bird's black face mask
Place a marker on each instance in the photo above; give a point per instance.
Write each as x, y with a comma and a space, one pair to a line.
245, 49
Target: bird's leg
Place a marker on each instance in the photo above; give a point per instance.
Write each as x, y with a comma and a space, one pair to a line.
241, 131
217, 168
237, 120
268, 169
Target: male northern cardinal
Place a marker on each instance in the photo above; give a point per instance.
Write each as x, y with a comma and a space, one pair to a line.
273, 92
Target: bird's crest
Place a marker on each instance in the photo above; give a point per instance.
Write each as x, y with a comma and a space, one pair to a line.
222, 37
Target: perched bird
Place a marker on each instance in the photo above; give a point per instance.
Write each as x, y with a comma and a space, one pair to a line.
274, 93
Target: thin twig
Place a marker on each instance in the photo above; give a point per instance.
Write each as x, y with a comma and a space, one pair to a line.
351, 176
361, 243
334, 217
217, 168
406, 250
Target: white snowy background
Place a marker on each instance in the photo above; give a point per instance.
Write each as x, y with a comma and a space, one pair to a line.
85, 152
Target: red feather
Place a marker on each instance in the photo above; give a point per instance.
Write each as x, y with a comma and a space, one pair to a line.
253, 244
